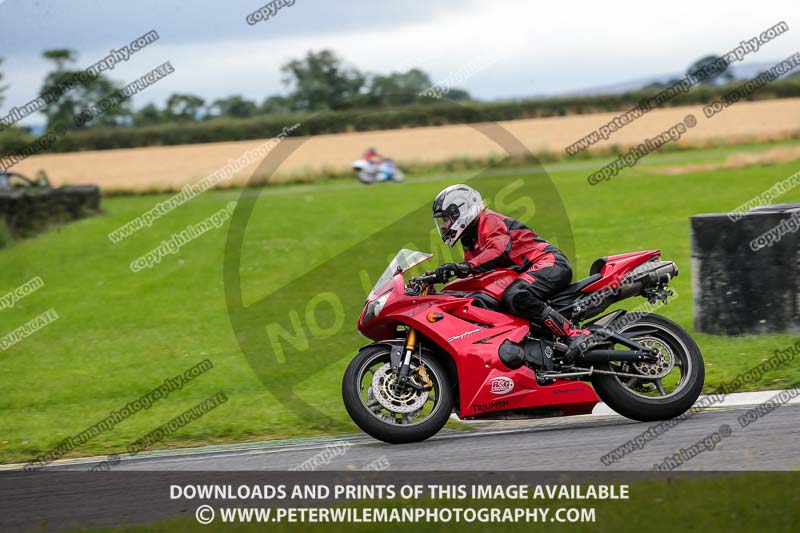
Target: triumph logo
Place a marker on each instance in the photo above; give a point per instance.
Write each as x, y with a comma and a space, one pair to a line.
502, 385
497, 404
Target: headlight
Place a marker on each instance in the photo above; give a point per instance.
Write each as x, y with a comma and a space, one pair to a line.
375, 307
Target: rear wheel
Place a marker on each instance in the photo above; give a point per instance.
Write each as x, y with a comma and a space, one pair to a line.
396, 414
656, 391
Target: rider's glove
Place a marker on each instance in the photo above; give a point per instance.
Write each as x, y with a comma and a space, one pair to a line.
448, 270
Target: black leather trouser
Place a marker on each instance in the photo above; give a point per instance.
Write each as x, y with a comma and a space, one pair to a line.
527, 296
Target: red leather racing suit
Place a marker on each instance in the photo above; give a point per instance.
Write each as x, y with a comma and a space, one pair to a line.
499, 241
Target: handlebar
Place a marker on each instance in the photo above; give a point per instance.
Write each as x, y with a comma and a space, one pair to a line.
421, 284
426, 278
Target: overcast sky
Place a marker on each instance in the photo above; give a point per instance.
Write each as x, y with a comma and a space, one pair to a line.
500, 48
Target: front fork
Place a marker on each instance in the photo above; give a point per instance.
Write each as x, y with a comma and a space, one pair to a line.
405, 365
404, 368
408, 352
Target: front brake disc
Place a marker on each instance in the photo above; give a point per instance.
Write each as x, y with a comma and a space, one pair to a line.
384, 390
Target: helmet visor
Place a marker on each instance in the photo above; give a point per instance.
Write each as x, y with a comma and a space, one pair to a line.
443, 224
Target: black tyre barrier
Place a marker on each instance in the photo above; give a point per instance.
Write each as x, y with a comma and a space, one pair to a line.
27, 212
746, 271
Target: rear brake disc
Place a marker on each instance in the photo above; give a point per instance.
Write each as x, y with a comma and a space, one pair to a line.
665, 363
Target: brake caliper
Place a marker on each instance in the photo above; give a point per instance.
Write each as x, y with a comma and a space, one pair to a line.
426, 379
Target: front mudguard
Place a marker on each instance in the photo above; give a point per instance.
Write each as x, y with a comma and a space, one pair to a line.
397, 347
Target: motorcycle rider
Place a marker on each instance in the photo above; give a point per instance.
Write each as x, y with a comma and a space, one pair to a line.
490, 241
372, 156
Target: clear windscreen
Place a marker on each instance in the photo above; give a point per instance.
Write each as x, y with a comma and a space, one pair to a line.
404, 260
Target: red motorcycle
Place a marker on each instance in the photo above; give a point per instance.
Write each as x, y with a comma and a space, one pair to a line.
459, 350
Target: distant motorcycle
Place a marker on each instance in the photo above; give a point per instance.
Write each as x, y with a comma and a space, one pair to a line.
369, 173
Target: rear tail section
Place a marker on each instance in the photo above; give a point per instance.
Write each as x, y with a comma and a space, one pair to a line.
622, 276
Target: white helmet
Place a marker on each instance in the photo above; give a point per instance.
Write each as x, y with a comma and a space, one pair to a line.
454, 209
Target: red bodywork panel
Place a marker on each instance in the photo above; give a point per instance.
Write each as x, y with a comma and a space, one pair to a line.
617, 266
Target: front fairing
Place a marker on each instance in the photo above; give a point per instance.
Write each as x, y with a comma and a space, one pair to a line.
390, 284
379, 327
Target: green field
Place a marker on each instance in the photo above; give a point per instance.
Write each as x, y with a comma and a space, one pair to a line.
120, 333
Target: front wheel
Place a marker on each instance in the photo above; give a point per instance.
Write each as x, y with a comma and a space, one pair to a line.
366, 177
387, 412
654, 391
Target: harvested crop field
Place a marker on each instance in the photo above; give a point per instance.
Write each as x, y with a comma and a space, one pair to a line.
171, 167
781, 154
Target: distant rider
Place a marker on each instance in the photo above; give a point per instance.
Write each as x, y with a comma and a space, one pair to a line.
372, 156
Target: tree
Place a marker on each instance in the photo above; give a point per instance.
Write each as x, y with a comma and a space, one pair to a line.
233, 106
322, 81
149, 115
61, 56
704, 73
275, 104
71, 96
398, 88
183, 107
458, 95
59, 112
404, 88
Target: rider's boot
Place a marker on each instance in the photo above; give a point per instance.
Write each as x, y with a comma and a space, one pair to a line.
575, 338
